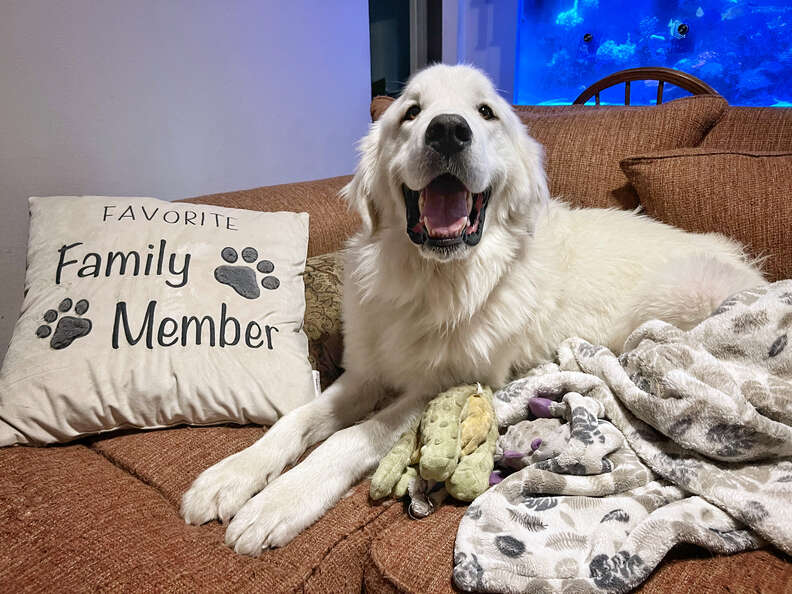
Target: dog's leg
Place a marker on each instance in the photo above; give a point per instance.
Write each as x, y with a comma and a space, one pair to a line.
222, 489
298, 498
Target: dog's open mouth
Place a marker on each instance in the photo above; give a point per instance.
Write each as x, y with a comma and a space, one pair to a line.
445, 213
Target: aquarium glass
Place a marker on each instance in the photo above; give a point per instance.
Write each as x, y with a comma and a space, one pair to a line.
742, 49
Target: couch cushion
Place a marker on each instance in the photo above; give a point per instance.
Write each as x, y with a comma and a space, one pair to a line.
745, 195
169, 460
71, 521
415, 556
752, 129
583, 145
103, 516
331, 221
329, 555
690, 570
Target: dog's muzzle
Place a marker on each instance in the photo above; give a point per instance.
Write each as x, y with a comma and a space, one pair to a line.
445, 213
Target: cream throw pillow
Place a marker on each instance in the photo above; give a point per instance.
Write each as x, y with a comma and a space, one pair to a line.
145, 313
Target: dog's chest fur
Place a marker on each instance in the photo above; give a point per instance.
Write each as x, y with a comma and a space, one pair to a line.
440, 354
412, 323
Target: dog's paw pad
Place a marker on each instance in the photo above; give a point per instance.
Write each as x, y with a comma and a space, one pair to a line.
69, 328
242, 278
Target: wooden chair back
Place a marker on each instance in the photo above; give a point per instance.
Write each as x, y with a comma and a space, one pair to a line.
681, 79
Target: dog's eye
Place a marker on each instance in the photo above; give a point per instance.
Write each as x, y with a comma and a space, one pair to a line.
412, 113
486, 112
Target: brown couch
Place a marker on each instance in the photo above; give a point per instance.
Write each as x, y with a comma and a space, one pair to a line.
101, 514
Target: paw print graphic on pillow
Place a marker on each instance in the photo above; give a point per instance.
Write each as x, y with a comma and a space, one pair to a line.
69, 328
242, 277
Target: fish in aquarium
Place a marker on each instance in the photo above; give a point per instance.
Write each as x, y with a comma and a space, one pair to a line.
743, 49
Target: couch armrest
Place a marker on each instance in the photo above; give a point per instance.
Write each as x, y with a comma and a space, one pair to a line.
331, 222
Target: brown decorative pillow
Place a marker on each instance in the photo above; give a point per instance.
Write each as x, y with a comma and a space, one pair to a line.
583, 145
323, 282
745, 195
752, 129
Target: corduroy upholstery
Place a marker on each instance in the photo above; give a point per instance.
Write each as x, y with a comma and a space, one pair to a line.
398, 559
745, 195
102, 514
583, 145
331, 222
751, 129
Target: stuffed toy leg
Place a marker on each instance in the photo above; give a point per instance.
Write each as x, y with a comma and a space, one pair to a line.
453, 444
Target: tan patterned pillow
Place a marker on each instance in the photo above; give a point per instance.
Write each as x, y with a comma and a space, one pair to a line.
323, 291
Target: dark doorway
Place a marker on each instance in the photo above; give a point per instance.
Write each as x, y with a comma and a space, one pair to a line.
406, 35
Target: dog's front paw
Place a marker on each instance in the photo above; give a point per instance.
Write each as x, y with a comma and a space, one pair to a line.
274, 516
221, 490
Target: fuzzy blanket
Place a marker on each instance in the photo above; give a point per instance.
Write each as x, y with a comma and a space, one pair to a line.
686, 437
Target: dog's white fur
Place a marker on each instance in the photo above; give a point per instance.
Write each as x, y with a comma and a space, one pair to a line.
418, 320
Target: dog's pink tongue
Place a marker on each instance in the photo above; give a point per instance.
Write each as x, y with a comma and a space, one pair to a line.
445, 206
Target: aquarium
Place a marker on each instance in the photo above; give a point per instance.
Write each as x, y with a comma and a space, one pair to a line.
742, 49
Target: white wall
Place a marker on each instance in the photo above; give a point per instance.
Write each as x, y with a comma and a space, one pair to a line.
483, 33
171, 98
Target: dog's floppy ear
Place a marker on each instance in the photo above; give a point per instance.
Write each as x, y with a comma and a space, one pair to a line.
358, 192
532, 156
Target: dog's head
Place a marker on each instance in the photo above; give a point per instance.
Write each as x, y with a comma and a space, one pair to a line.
447, 161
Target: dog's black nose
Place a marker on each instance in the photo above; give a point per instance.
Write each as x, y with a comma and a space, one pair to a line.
448, 134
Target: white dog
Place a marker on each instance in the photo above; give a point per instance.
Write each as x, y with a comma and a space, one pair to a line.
465, 270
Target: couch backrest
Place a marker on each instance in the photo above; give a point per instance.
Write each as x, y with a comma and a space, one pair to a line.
747, 128
752, 129
331, 222
584, 145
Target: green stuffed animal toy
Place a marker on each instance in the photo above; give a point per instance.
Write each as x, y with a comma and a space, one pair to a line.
448, 451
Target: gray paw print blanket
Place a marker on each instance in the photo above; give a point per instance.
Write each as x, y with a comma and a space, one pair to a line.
686, 437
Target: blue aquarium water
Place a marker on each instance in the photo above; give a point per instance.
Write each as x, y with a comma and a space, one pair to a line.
741, 48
